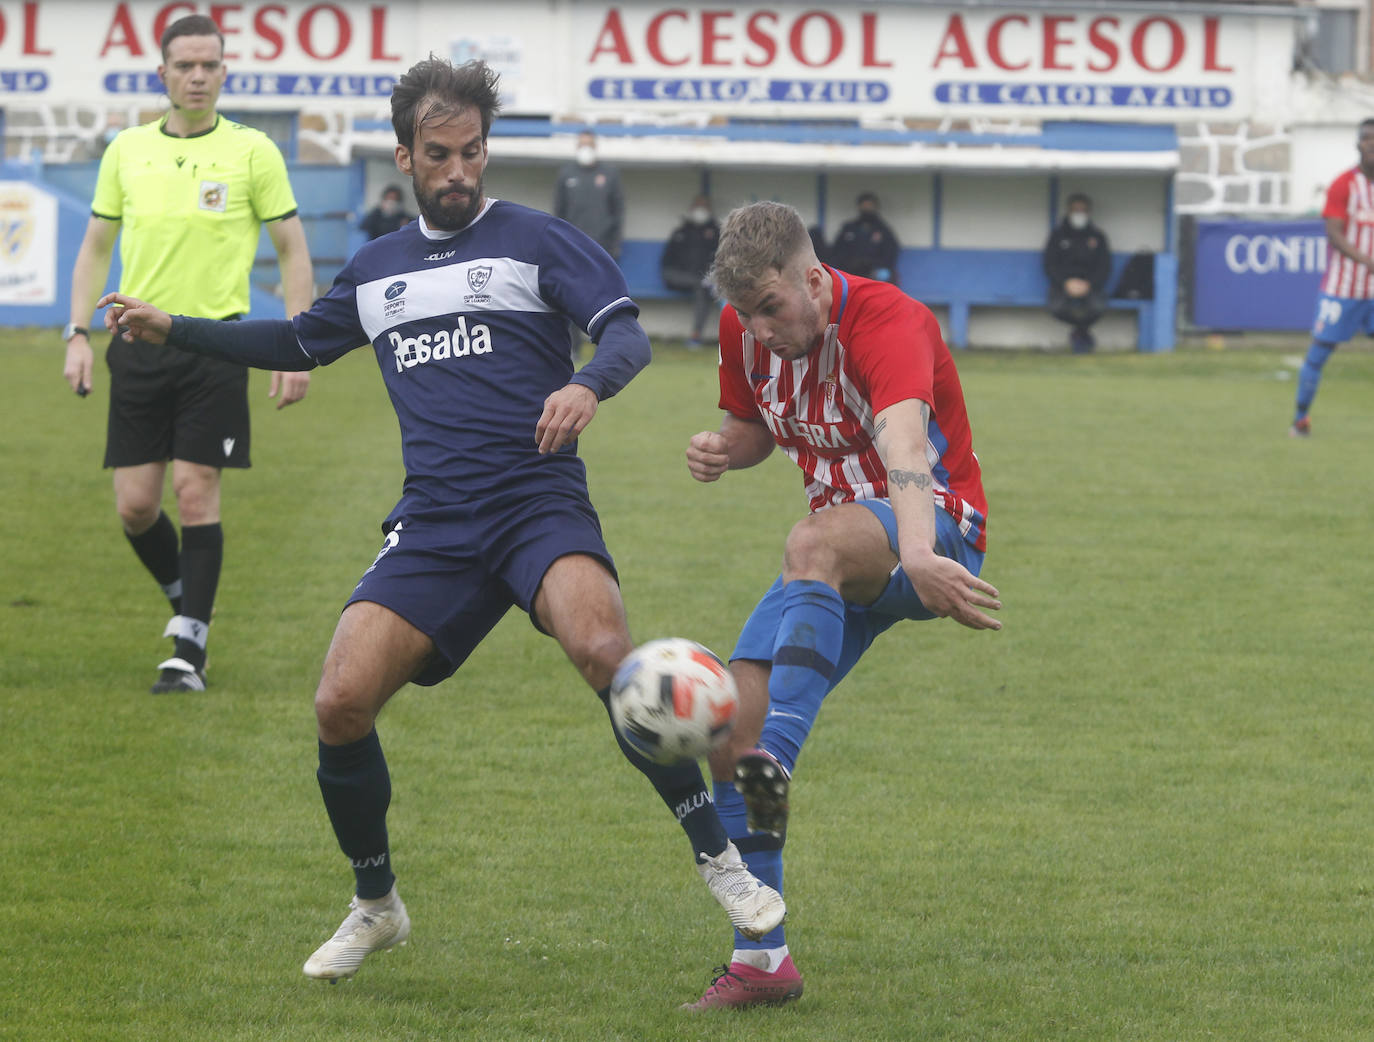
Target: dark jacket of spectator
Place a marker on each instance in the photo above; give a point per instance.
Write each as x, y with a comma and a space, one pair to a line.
688, 254
1078, 253
867, 247
379, 221
590, 198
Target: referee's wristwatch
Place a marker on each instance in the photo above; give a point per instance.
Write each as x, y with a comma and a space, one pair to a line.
71, 329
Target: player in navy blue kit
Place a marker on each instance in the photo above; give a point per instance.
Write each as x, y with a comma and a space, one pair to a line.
467, 311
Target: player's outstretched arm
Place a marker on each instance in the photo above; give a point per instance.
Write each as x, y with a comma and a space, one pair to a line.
944, 585
261, 343
131, 319
738, 444
298, 289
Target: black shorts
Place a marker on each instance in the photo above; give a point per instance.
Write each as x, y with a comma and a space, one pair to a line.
168, 404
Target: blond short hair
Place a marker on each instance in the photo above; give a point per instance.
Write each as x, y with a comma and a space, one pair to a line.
755, 240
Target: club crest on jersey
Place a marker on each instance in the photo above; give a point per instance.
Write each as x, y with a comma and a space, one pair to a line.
214, 195
478, 277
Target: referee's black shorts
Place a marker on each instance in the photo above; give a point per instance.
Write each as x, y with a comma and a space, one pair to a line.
168, 404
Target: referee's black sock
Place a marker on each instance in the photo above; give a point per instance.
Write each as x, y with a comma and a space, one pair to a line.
202, 553
157, 549
683, 789
356, 787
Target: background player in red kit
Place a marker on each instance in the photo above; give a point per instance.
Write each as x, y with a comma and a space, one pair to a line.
851, 378
1345, 305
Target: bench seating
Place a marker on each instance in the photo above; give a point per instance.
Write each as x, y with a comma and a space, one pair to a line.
960, 280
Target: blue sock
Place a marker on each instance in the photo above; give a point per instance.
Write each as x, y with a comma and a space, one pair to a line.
762, 853
1310, 375
809, 641
683, 789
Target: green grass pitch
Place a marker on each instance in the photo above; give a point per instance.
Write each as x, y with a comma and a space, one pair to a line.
1140, 812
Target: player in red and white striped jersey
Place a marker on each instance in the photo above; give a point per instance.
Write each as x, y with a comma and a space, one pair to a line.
1345, 306
852, 380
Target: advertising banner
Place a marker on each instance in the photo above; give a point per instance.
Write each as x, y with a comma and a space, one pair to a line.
564, 56
1259, 275
28, 244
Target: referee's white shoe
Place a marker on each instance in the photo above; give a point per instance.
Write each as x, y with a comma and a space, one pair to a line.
371, 925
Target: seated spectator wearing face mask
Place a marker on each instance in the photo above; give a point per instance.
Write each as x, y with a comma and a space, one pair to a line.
866, 245
387, 216
686, 260
1078, 262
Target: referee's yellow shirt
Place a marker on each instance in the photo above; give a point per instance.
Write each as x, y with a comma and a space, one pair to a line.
191, 210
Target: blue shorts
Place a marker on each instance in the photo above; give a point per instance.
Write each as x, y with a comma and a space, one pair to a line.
862, 623
455, 576
1339, 319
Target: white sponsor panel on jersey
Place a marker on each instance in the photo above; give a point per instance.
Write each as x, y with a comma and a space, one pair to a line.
443, 292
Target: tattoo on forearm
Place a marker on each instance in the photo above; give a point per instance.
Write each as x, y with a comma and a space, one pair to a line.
878, 428
906, 478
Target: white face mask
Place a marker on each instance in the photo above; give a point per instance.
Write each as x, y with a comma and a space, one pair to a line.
586, 155
700, 215
1078, 219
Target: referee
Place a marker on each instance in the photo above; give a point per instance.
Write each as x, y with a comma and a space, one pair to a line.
190, 191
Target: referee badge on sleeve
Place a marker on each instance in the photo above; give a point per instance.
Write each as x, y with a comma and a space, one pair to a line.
214, 195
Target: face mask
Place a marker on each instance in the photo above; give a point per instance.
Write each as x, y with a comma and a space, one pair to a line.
586, 155
1078, 219
700, 215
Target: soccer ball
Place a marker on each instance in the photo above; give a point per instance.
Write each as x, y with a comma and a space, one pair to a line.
673, 700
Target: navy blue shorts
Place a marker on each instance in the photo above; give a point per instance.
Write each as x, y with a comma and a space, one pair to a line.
454, 577
862, 623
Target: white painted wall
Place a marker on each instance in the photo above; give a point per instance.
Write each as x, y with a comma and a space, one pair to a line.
1319, 153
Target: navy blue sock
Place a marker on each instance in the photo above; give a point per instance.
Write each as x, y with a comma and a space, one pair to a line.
157, 549
683, 789
809, 641
762, 852
202, 554
1310, 375
356, 787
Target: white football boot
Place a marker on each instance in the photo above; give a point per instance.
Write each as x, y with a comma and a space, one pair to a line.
754, 909
370, 926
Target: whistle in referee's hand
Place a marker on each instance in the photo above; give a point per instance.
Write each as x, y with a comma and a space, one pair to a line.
82, 391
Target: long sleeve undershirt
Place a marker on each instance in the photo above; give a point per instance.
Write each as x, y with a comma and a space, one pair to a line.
621, 352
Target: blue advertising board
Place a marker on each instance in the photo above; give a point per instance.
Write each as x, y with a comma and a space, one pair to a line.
1258, 275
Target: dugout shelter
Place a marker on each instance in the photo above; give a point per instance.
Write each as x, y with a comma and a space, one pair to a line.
971, 122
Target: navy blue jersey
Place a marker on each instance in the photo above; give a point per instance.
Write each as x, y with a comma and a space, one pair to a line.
471, 334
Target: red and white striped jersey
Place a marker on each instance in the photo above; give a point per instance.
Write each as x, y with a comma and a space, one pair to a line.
1351, 198
880, 348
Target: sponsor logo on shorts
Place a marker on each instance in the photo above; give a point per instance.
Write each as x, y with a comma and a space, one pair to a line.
228, 445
